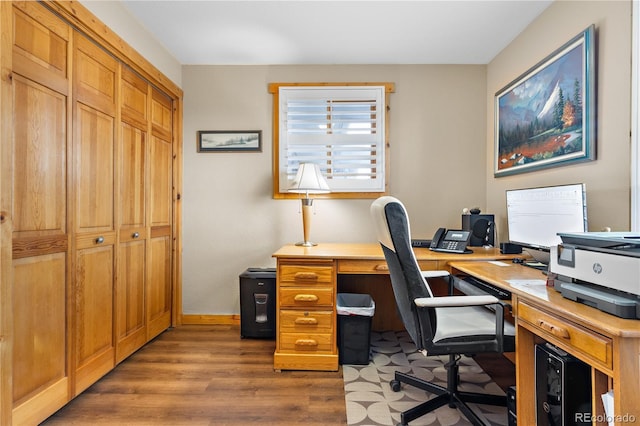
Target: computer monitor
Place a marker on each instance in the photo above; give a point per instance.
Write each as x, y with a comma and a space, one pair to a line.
536, 215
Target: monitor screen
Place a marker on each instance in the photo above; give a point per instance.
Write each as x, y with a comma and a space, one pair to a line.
536, 215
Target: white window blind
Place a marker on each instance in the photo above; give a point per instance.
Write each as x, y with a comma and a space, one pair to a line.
341, 129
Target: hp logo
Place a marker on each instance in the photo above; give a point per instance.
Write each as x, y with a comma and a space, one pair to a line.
597, 268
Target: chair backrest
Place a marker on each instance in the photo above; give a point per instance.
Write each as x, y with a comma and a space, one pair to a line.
392, 227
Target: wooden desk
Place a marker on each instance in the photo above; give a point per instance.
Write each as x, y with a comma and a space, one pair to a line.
610, 345
308, 279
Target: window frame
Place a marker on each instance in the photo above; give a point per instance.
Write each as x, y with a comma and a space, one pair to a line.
274, 89
635, 118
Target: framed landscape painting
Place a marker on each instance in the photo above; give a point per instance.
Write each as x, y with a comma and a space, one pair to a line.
546, 117
229, 140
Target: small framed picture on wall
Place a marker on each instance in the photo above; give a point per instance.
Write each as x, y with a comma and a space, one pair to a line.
229, 140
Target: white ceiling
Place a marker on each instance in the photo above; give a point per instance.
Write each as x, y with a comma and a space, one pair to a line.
244, 32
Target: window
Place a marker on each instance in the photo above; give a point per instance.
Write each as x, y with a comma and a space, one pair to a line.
342, 127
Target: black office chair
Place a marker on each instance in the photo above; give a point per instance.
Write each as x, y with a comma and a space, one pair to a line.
449, 325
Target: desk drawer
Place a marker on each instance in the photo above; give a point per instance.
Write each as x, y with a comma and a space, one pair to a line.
306, 321
301, 274
355, 266
306, 297
307, 342
559, 331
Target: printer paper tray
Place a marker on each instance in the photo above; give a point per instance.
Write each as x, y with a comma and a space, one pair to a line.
618, 304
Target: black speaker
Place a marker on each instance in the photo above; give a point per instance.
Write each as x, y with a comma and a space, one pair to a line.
508, 248
563, 388
482, 229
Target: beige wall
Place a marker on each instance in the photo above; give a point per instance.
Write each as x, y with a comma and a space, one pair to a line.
231, 222
441, 151
441, 155
608, 178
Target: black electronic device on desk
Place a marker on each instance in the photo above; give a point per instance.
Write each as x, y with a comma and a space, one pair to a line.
420, 243
451, 241
542, 267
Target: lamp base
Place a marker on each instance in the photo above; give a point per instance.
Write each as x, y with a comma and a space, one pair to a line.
306, 244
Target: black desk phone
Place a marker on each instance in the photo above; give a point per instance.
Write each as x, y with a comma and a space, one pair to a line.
450, 241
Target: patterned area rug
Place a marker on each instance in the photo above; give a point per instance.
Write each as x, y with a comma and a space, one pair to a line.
370, 400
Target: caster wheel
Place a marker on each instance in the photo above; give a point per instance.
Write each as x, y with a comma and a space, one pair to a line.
395, 386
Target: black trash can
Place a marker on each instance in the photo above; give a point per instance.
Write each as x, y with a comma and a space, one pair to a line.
355, 312
258, 303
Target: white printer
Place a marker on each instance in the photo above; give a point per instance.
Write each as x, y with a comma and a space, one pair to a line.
599, 269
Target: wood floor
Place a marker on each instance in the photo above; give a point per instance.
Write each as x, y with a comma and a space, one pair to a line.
208, 375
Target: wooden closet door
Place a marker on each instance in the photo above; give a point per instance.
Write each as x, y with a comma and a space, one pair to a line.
94, 116
40, 237
131, 331
160, 217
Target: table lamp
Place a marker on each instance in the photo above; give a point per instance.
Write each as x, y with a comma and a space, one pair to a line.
308, 180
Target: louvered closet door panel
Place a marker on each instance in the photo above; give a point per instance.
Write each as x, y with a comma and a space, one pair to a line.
159, 282
161, 161
131, 331
93, 309
40, 375
131, 328
40, 146
40, 239
94, 150
94, 163
159, 296
161, 113
40, 45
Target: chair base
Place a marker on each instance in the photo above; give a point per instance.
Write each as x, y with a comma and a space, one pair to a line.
449, 395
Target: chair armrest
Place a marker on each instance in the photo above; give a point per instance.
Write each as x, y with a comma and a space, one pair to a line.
455, 301
434, 274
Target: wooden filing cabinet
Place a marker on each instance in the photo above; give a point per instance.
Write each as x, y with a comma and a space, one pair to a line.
306, 315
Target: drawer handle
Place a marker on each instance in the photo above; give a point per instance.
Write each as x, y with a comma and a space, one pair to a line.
306, 298
384, 267
100, 240
306, 276
306, 342
306, 321
556, 331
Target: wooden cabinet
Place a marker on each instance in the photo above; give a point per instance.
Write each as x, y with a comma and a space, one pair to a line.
89, 188
608, 344
133, 235
160, 217
133, 242
306, 315
93, 189
38, 283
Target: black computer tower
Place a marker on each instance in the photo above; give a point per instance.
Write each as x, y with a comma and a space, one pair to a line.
563, 388
258, 303
512, 418
482, 227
